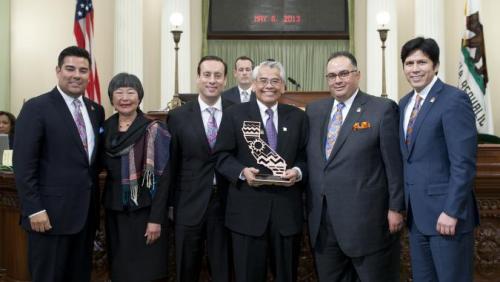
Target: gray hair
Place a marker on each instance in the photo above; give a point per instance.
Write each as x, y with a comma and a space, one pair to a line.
272, 65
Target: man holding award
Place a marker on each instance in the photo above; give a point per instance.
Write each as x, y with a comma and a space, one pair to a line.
262, 153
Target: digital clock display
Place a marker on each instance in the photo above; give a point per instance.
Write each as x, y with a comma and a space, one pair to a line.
278, 18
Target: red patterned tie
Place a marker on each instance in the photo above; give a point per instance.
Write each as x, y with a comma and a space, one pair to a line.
413, 117
80, 123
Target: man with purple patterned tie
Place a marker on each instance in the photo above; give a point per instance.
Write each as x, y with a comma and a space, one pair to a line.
265, 221
355, 190
56, 165
197, 192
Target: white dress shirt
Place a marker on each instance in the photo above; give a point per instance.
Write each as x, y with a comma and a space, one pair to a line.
86, 118
409, 106
347, 107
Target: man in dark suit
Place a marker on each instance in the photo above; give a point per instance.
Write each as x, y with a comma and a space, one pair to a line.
55, 163
355, 180
198, 193
242, 72
264, 220
438, 144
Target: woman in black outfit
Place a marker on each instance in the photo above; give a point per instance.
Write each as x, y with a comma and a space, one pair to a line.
136, 153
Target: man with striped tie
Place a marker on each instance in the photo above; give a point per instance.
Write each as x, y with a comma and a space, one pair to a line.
56, 165
197, 192
438, 144
355, 190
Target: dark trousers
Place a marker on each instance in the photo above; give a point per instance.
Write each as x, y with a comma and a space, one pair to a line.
64, 258
251, 255
441, 258
332, 264
190, 242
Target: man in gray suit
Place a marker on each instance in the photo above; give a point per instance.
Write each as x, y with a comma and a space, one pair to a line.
355, 193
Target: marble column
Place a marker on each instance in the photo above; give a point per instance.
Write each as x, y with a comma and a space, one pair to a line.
429, 22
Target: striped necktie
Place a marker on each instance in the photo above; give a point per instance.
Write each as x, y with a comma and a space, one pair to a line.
246, 96
211, 129
333, 129
413, 117
80, 123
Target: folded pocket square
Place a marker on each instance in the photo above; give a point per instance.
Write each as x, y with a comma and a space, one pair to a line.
361, 125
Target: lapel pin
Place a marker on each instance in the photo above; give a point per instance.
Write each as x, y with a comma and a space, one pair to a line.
432, 99
358, 110
91, 108
285, 129
261, 132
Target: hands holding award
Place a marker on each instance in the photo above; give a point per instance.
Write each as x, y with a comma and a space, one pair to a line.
266, 156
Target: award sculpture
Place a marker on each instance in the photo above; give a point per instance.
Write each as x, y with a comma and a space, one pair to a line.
264, 155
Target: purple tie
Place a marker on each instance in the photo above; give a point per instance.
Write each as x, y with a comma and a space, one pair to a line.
211, 127
333, 129
272, 135
80, 124
413, 117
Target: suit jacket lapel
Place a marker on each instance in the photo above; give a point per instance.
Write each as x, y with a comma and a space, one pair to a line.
283, 115
402, 110
254, 115
93, 116
199, 127
424, 110
346, 129
326, 112
67, 117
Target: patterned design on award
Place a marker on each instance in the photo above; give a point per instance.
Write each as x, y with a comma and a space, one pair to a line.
260, 150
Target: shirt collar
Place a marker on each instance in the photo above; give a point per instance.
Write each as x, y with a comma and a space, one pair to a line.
426, 89
263, 108
204, 106
347, 102
249, 90
69, 99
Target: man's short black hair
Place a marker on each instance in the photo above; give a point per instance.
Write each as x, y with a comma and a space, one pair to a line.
73, 51
346, 54
212, 58
428, 46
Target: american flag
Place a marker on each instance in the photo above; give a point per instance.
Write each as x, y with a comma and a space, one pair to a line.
84, 34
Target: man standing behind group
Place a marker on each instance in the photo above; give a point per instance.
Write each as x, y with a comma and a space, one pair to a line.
242, 72
265, 221
198, 192
438, 143
55, 153
355, 180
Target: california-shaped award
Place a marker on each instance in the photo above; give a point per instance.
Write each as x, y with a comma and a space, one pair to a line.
264, 155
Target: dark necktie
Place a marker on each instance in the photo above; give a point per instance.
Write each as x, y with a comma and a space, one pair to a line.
80, 123
413, 117
272, 135
333, 129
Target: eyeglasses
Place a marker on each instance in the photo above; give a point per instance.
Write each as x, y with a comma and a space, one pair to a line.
342, 75
265, 81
